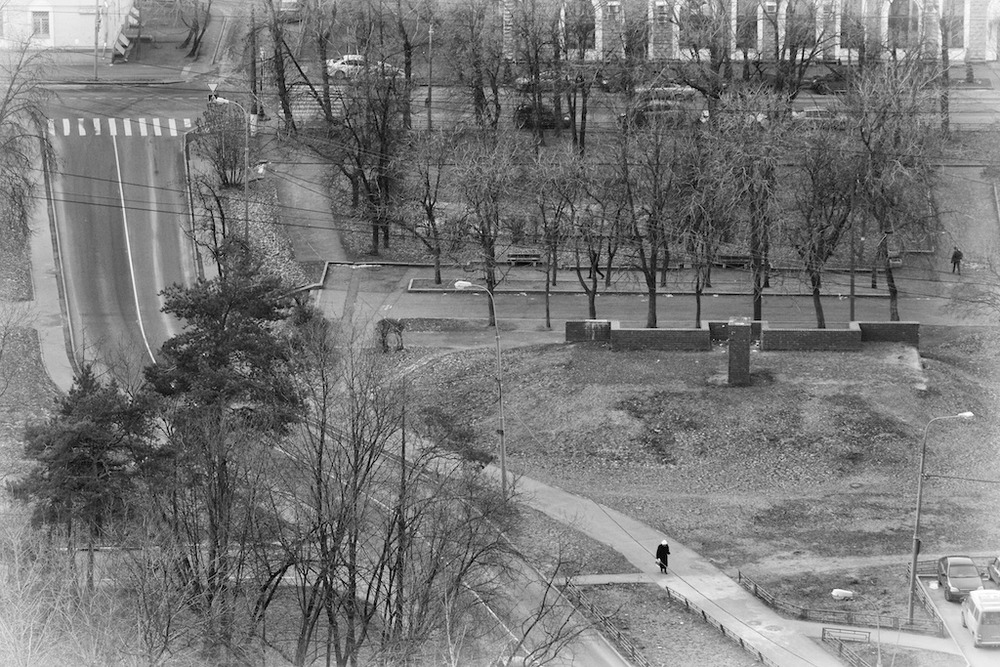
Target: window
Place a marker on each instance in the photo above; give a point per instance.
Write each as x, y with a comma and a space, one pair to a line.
40, 24
801, 25
615, 12
746, 24
904, 24
662, 13
953, 23
852, 29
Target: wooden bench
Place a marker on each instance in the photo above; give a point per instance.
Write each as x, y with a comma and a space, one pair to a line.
732, 260
523, 257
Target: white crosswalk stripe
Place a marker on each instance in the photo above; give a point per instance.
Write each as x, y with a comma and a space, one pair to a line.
100, 126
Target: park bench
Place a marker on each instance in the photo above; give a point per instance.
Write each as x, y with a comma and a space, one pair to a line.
732, 260
523, 257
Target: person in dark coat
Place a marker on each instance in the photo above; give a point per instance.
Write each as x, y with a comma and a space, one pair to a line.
956, 261
662, 552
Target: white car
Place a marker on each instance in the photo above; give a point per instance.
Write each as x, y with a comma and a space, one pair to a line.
350, 66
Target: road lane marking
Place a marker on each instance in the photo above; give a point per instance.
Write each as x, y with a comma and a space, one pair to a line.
97, 127
113, 127
81, 126
188, 124
67, 128
128, 251
157, 131
143, 130
52, 126
127, 126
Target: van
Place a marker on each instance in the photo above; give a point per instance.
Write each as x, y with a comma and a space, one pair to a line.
981, 614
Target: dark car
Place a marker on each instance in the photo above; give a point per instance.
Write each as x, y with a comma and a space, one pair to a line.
525, 117
833, 82
547, 80
660, 113
958, 576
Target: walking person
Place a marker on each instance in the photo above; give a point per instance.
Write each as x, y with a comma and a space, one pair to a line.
662, 552
956, 261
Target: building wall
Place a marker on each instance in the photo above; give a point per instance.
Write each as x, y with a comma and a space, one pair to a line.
70, 23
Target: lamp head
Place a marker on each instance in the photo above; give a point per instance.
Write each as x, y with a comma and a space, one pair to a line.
841, 594
965, 415
462, 284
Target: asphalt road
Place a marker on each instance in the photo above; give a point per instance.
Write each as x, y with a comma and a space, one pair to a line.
121, 216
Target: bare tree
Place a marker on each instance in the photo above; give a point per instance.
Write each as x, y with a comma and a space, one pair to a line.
896, 142
645, 168
473, 43
21, 100
490, 167
431, 156
826, 182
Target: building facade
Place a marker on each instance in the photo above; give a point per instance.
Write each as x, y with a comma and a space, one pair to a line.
70, 24
837, 29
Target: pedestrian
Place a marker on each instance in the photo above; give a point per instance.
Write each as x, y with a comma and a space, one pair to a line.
662, 552
956, 261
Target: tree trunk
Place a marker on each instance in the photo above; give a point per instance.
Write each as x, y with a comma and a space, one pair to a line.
890, 283
814, 279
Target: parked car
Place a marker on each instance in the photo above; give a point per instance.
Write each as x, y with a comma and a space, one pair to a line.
547, 80
525, 117
666, 91
958, 576
833, 82
351, 66
659, 112
821, 117
981, 615
993, 570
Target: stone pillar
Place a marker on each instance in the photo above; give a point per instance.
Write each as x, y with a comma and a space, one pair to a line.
739, 351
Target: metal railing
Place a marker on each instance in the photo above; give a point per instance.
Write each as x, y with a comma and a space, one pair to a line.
575, 594
931, 626
838, 639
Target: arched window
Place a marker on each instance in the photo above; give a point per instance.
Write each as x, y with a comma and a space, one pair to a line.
904, 24
580, 20
800, 24
852, 27
953, 23
746, 24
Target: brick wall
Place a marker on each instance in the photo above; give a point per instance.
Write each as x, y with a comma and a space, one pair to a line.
890, 332
825, 340
661, 339
588, 331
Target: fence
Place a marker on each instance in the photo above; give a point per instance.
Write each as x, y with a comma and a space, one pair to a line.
621, 640
574, 593
838, 639
863, 618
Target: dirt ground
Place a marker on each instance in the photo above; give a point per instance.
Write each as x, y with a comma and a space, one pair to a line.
806, 477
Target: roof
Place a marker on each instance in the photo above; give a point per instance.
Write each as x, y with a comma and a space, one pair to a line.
987, 599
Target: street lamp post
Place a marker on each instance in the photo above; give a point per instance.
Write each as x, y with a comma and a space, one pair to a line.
464, 285
841, 594
246, 161
920, 496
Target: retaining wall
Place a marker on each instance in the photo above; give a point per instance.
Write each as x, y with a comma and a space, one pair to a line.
771, 339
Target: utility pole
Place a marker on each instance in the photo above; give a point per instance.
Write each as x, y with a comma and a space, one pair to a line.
253, 64
97, 32
430, 72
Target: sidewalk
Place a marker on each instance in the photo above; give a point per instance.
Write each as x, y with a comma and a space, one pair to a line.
150, 62
780, 640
